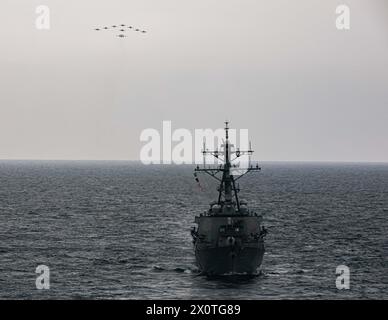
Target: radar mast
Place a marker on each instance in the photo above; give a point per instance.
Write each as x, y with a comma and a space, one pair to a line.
228, 198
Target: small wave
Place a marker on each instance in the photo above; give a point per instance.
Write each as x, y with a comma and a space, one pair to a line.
101, 261
123, 261
157, 268
302, 271
176, 269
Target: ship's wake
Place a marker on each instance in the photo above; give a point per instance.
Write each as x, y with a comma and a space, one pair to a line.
227, 277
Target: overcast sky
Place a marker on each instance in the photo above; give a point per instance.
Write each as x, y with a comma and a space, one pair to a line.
280, 68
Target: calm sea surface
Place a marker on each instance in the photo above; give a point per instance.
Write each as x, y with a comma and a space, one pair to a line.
120, 230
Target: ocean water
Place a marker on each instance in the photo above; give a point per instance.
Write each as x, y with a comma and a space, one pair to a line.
120, 230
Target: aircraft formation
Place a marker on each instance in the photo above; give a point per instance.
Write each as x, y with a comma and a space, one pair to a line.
120, 29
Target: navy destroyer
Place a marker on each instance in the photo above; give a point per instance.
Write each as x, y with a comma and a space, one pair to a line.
228, 238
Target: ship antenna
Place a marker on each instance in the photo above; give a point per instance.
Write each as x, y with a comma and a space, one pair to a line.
250, 154
227, 158
227, 179
227, 188
204, 152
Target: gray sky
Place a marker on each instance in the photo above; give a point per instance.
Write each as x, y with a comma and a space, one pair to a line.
280, 68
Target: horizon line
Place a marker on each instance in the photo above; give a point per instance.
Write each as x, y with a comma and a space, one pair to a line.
161, 163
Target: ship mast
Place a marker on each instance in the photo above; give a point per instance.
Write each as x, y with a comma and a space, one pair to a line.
227, 190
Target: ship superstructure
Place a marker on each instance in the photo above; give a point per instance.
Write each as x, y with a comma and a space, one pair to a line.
229, 238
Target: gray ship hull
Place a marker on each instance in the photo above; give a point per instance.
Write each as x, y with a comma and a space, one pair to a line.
229, 260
